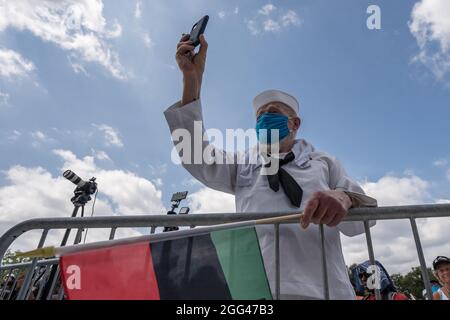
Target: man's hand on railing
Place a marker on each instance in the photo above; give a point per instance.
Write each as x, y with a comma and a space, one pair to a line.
326, 207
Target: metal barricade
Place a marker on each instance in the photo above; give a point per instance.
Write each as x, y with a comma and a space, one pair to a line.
35, 275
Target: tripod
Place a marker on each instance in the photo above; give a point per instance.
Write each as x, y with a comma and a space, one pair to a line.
171, 228
82, 194
81, 197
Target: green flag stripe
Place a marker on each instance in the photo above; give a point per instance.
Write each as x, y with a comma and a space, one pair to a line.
240, 257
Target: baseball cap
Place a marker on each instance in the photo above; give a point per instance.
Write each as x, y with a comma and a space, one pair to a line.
440, 259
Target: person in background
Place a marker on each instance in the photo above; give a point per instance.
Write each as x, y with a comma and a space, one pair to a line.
16, 290
435, 285
441, 266
387, 288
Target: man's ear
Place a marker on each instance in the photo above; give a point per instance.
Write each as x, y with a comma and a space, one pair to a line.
298, 123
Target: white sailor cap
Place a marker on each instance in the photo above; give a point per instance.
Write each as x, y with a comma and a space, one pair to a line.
275, 95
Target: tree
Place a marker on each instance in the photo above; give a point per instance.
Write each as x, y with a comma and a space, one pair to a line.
412, 282
11, 257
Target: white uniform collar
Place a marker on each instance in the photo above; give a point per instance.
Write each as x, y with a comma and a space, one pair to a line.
301, 149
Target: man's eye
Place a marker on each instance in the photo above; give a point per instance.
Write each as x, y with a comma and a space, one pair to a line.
270, 111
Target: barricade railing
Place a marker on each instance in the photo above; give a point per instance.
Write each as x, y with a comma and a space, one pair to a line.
35, 275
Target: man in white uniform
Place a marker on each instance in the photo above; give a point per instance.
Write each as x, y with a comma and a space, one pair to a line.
311, 181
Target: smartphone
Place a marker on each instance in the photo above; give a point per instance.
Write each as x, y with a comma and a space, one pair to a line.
197, 30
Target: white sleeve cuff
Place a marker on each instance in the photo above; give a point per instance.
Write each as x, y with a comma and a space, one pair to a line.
360, 199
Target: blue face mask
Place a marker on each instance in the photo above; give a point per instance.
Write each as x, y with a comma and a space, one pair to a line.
271, 121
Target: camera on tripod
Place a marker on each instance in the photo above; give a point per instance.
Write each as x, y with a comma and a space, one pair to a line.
82, 194
84, 189
176, 199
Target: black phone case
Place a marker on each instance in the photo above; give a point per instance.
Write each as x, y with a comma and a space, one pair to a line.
198, 29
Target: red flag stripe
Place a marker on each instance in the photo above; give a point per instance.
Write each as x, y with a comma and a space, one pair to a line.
117, 273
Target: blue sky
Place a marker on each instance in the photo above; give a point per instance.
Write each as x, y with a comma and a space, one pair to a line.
366, 96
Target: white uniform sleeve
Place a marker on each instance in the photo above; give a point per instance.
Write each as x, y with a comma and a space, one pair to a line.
220, 171
339, 180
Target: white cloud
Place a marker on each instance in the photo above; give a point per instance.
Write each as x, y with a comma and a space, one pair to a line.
100, 155
147, 40
138, 10
77, 67
290, 18
207, 200
392, 191
82, 167
430, 25
131, 193
271, 26
15, 135
267, 9
39, 138
12, 64
253, 27
440, 163
35, 193
223, 14
39, 135
158, 182
78, 27
444, 164
271, 19
111, 135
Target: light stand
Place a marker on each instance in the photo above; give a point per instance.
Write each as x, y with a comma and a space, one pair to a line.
176, 200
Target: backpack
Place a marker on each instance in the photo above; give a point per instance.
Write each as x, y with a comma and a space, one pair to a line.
386, 283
